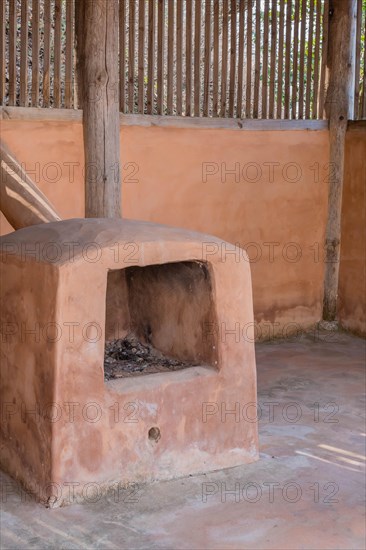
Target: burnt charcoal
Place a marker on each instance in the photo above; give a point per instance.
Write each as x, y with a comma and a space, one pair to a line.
128, 356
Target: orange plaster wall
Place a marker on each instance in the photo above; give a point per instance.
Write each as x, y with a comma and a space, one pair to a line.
352, 273
276, 219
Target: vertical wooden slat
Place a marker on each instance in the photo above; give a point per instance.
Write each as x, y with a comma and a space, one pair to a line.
358, 59
207, 59
248, 84
46, 54
309, 60
316, 60
160, 60
141, 57
122, 55
57, 55
131, 57
215, 69
188, 57
232, 58
272, 77
225, 22
12, 52
170, 68
257, 57
362, 110
75, 91
69, 53
322, 84
197, 57
363, 102
239, 100
302, 59
288, 58
151, 58
280, 58
23, 101
265, 60
179, 57
2, 53
295, 60
35, 53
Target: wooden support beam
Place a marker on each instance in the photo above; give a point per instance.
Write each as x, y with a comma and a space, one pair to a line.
163, 121
22, 203
98, 84
339, 108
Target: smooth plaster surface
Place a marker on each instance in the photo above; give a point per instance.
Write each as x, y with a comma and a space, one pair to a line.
352, 275
265, 191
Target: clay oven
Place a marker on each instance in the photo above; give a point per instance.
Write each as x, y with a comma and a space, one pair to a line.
68, 290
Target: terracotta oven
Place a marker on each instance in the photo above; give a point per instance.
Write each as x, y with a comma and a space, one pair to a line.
68, 290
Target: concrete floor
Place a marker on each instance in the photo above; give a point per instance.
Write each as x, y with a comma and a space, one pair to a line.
307, 490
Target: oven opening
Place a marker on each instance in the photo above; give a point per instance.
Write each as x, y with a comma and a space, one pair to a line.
159, 318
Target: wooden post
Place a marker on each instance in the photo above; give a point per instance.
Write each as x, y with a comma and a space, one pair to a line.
98, 88
339, 108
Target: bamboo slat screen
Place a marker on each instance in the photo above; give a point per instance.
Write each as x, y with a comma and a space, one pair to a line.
217, 58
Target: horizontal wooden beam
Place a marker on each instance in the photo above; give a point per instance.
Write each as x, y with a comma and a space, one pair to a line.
34, 113
29, 113
221, 123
